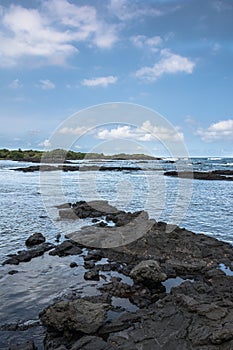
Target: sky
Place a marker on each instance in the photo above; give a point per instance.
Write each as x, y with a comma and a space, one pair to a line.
175, 57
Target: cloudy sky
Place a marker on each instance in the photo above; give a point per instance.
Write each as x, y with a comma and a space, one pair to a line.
58, 57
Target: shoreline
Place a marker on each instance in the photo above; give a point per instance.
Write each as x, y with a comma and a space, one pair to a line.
196, 313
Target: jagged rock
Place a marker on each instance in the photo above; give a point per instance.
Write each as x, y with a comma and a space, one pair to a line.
35, 239
222, 334
66, 248
148, 272
75, 316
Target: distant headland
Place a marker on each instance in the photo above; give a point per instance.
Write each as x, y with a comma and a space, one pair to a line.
61, 155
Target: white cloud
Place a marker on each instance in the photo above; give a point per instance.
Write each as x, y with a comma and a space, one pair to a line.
72, 130
128, 10
16, 84
51, 33
170, 63
163, 133
46, 84
141, 41
28, 33
147, 132
217, 131
84, 22
46, 144
100, 81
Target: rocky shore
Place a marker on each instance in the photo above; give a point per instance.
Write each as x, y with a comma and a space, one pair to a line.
180, 284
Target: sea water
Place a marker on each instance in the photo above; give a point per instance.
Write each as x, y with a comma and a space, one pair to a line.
199, 205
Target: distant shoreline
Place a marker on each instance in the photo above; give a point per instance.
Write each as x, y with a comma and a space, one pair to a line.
60, 156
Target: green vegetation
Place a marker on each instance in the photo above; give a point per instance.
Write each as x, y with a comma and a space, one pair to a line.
20, 155
36, 156
61, 155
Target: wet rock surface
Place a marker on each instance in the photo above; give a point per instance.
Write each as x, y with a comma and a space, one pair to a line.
196, 314
96, 209
74, 316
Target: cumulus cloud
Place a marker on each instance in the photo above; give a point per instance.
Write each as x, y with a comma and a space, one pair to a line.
222, 130
142, 41
46, 84
100, 81
16, 84
170, 63
147, 132
72, 130
51, 33
84, 22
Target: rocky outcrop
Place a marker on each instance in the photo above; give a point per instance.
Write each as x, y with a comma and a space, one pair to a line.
83, 210
226, 175
27, 255
44, 167
35, 239
130, 228
74, 316
196, 314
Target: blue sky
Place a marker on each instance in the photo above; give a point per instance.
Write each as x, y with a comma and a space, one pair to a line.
58, 57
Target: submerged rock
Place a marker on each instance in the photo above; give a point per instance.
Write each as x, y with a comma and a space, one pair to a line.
75, 316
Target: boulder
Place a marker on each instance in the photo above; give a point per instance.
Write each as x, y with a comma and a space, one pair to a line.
74, 316
148, 272
35, 239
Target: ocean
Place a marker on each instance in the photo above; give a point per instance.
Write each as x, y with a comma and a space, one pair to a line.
28, 203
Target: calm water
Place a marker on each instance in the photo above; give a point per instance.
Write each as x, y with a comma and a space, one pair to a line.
202, 206
27, 205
